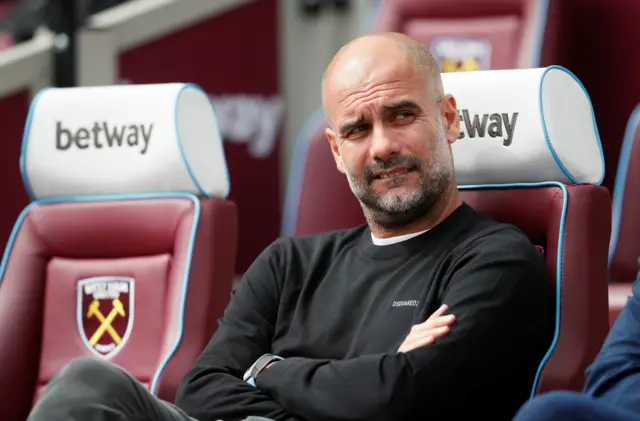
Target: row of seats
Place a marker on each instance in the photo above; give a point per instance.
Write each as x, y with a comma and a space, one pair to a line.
128, 248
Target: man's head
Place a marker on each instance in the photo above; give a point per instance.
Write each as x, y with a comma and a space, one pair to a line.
391, 127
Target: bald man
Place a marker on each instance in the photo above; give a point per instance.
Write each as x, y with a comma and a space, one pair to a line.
428, 311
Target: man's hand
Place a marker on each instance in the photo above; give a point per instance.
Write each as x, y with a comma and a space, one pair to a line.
426, 333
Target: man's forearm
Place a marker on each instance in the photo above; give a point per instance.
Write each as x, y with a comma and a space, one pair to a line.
365, 388
216, 395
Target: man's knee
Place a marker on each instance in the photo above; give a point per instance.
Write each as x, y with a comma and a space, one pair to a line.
82, 368
553, 406
90, 376
87, 386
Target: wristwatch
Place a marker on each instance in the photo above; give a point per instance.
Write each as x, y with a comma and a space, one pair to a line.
259, 365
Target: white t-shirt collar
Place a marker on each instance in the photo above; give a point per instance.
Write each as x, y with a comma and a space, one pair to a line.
394, 240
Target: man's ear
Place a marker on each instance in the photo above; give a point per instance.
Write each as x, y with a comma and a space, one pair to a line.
331, 137
449, 110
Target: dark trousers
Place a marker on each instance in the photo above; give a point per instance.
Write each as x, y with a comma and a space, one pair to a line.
93, 389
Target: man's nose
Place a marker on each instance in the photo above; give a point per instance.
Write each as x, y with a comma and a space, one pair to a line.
382, 144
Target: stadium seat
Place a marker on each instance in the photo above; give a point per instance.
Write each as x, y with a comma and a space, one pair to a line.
624, 250
544, 179
127, 252
478, 34
594, 29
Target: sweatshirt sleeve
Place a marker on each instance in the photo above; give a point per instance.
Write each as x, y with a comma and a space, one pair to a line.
498, 288
614, 376
213, 389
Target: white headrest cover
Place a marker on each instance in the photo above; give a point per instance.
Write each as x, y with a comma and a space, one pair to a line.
123, 140
524, 126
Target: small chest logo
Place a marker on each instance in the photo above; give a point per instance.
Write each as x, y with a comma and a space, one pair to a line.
105, 313
407, 303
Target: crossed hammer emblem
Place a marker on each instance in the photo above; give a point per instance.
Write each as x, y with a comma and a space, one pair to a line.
464, 65
105, 322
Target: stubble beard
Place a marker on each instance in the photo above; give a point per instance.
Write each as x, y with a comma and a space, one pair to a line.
392, 210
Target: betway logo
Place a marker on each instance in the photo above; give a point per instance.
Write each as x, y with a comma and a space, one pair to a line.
250, 119
492, 125
104, 135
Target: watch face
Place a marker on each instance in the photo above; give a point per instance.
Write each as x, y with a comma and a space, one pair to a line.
259, 365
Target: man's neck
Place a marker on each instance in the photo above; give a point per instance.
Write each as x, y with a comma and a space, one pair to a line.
440, 212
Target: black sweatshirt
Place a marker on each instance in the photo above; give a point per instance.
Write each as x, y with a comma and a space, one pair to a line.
337, 307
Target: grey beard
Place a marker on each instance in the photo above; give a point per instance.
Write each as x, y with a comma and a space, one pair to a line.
393, 211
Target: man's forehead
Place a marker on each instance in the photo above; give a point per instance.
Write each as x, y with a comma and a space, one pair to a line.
367, 69
359, 73
380, 105
376, 90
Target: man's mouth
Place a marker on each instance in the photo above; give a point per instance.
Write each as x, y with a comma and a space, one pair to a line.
390, 173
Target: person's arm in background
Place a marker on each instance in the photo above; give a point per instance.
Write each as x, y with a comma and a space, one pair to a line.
500, 295
614, 376
213, 389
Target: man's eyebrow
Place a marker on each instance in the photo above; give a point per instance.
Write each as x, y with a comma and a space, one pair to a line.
402, 105
350, 125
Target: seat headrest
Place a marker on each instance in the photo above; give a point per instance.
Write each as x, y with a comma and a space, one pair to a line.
133, 139
524, 126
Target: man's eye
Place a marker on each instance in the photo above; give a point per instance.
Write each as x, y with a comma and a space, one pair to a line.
404, 117
358, 129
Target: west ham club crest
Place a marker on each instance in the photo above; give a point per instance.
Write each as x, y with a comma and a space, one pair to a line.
105, 313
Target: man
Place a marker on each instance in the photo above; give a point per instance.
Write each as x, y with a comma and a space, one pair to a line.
351, 325
612, 390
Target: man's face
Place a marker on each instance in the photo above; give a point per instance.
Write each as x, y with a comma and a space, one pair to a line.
390, 139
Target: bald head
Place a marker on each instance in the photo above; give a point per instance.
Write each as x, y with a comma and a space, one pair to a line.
356, 63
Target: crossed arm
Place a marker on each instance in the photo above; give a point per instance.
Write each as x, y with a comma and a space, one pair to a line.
213, 389
496, 294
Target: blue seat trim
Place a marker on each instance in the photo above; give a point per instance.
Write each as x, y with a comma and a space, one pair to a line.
559, 280
25, 141
621, 180
296, 172
185, 283
546, 133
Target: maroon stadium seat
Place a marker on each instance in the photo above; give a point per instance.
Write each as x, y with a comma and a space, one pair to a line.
479, 34
555, 200
127, 252
624, 250
604, 29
